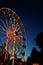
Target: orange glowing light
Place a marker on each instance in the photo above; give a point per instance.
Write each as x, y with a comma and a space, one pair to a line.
7, 9
35, 64
10, 32
20, 24
6, 56
17, 18
12, 14
20, 63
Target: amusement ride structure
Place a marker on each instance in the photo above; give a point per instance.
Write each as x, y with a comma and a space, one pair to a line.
12, 34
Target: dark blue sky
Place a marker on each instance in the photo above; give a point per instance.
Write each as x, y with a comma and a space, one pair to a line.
31, 14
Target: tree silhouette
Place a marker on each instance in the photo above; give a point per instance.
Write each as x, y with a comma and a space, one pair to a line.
37, 57
39, 40
29, 62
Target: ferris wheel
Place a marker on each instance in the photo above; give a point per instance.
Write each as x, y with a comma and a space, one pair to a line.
12, 33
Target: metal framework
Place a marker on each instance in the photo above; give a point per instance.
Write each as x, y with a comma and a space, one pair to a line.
12, 29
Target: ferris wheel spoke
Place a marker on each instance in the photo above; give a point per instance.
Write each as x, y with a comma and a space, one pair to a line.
23, 38
18, 29
10, 21
14, 21
2, 28
20, 46
16, 25
4, 12
20, 36
4, 24
5, 18
20, 32
19, 51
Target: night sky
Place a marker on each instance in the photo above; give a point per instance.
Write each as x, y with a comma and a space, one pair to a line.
31, 14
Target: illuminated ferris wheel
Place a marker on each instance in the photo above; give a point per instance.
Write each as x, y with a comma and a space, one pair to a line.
12, 33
